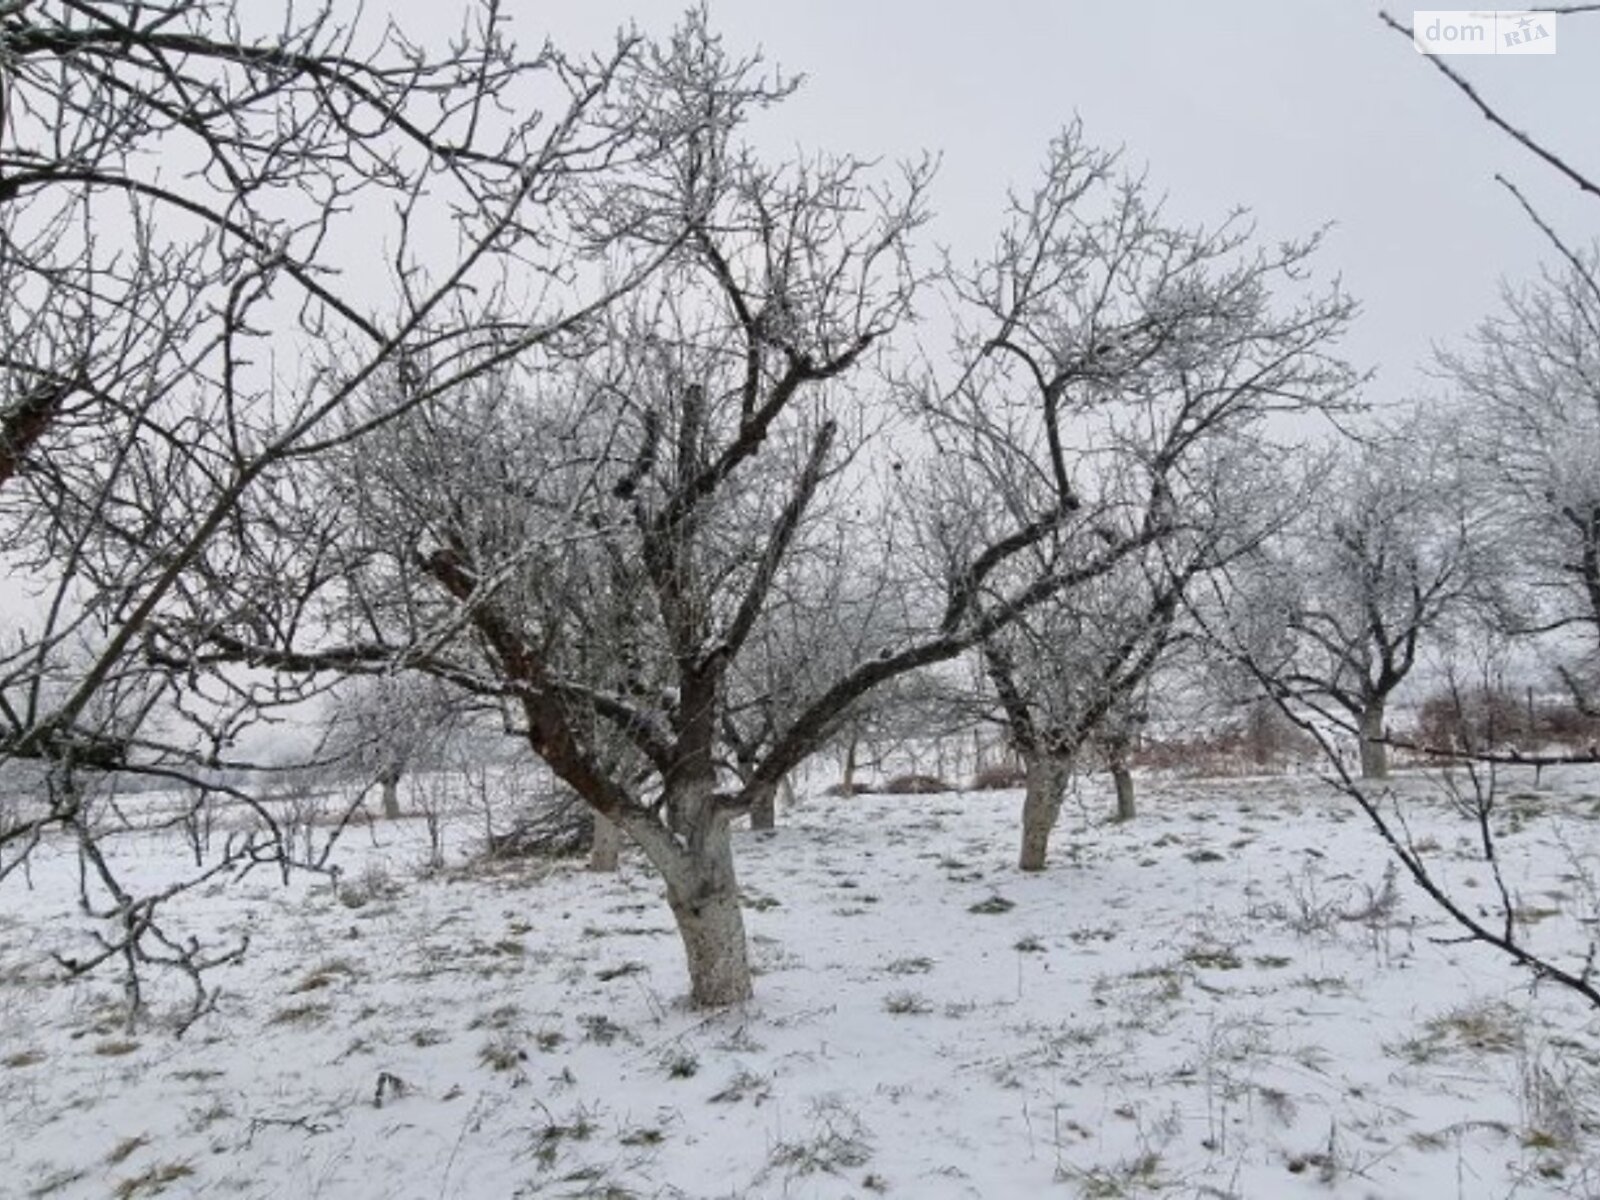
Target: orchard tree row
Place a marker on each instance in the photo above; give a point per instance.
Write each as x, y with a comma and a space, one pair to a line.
328, 358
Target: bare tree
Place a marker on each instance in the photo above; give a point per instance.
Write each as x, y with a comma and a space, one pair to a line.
597, 542
217, 228
1152, 355
1531, 369
1530, 382
1074, 680
1383, 559
1066, 673
380, 728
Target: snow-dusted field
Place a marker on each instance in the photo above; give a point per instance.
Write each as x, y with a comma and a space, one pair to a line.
1224, 998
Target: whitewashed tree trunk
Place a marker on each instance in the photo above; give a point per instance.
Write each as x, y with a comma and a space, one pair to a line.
764, 809
389, 781
704, 894
606, 845
1047, 777
1374, 753
848, 783
696, 862
1123, 779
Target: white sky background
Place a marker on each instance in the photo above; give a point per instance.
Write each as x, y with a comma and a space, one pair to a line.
1306, 111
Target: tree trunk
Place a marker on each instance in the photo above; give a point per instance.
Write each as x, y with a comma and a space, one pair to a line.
605, 846
848, 784
1123, 778
704, 894
1047, 777
695, 857
1374, 753
389, 781
785, 794
764, 809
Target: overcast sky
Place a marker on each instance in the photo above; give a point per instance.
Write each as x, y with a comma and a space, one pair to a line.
1307, 111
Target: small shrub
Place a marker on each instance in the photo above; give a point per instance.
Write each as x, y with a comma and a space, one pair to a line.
1264, 739
503, 1017
1213, 958
906, 1004
679, 1063
998, 778
916, 785
1555, 1107
1478, 1028
561, 827
502, 1053
843, 791
1136, 1176
1564, 721
744, 1084
600, 1029
1480, 717
839, 1141
992, 907
919, 965
579, 1127
374, 883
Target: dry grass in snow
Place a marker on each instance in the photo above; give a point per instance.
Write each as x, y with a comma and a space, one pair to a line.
1231, 996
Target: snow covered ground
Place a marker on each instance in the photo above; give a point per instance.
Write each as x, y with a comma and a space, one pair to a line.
1224, 998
